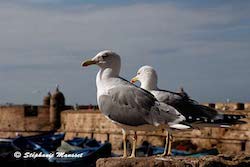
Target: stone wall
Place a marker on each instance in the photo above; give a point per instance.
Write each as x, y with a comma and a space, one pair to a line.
222, 160
92, 123
25, 120
88, 121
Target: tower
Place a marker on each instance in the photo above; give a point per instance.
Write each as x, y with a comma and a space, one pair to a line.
46, 99
57, 103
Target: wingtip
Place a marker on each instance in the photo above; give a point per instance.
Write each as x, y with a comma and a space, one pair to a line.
234, 117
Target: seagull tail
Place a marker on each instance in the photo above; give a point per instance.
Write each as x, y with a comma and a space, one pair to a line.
181, 126
210, 115
233, 119
227, 119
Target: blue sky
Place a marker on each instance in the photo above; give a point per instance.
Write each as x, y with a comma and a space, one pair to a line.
200, 45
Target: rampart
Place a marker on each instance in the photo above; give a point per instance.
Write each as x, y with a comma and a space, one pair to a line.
85, 121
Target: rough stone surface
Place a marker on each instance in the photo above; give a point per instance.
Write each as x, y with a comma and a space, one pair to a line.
13, 120
87, 121
241, 160
92, 123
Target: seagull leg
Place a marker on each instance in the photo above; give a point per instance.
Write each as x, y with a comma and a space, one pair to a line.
170, 137
166, 145
124, 138
134, 145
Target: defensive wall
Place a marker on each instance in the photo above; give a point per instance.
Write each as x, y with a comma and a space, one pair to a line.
84, 121
91, 123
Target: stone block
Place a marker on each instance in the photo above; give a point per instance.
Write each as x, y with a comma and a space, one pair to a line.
177, 161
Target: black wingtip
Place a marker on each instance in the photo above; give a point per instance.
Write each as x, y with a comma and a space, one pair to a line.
233, 119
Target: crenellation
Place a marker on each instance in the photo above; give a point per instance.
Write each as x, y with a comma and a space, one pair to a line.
230, 106
212, 105
247, 106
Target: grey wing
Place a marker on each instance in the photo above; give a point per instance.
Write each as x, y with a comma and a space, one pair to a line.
133, 106
188, 107
166, 114
168, 97
126, 105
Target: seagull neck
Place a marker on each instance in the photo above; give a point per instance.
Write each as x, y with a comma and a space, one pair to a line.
149, 85
106, 73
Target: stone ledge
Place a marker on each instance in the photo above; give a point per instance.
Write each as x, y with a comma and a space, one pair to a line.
221, 160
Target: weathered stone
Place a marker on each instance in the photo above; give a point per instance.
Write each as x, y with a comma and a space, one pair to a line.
230, 106
240, 160
13, 121
89, 122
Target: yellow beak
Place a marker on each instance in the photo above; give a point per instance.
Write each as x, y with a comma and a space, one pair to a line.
88, 63
133, 80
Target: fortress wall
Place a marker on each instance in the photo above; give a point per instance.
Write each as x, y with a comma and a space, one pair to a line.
92, 123
247, 106
229, 106
13, 120
88, 121
39, 122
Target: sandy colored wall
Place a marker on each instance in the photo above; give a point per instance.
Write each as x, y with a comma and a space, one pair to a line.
92, 123
13, 120
88, 121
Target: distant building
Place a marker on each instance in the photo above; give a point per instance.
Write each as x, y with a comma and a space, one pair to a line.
46, 99
57, 104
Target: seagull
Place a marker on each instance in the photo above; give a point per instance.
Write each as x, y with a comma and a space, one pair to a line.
191, 109
196, 114
126, 104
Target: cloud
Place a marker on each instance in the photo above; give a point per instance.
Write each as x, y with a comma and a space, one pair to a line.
41, 46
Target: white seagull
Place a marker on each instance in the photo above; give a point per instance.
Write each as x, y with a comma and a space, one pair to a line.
192, 110
196, 114
127, 105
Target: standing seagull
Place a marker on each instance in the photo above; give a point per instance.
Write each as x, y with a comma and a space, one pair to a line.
180, 100
127, 105
196, 114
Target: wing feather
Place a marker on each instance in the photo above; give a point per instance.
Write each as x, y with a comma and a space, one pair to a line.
134, 106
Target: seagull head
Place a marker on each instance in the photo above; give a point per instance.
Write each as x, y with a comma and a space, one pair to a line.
147, 76
104, 59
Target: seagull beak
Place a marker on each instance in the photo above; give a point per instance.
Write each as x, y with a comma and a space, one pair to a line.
88, 63
133, 80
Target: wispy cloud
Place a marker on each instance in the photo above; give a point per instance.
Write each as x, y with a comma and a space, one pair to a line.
194, 46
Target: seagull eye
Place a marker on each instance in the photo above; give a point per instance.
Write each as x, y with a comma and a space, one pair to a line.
138, 73
105, 55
